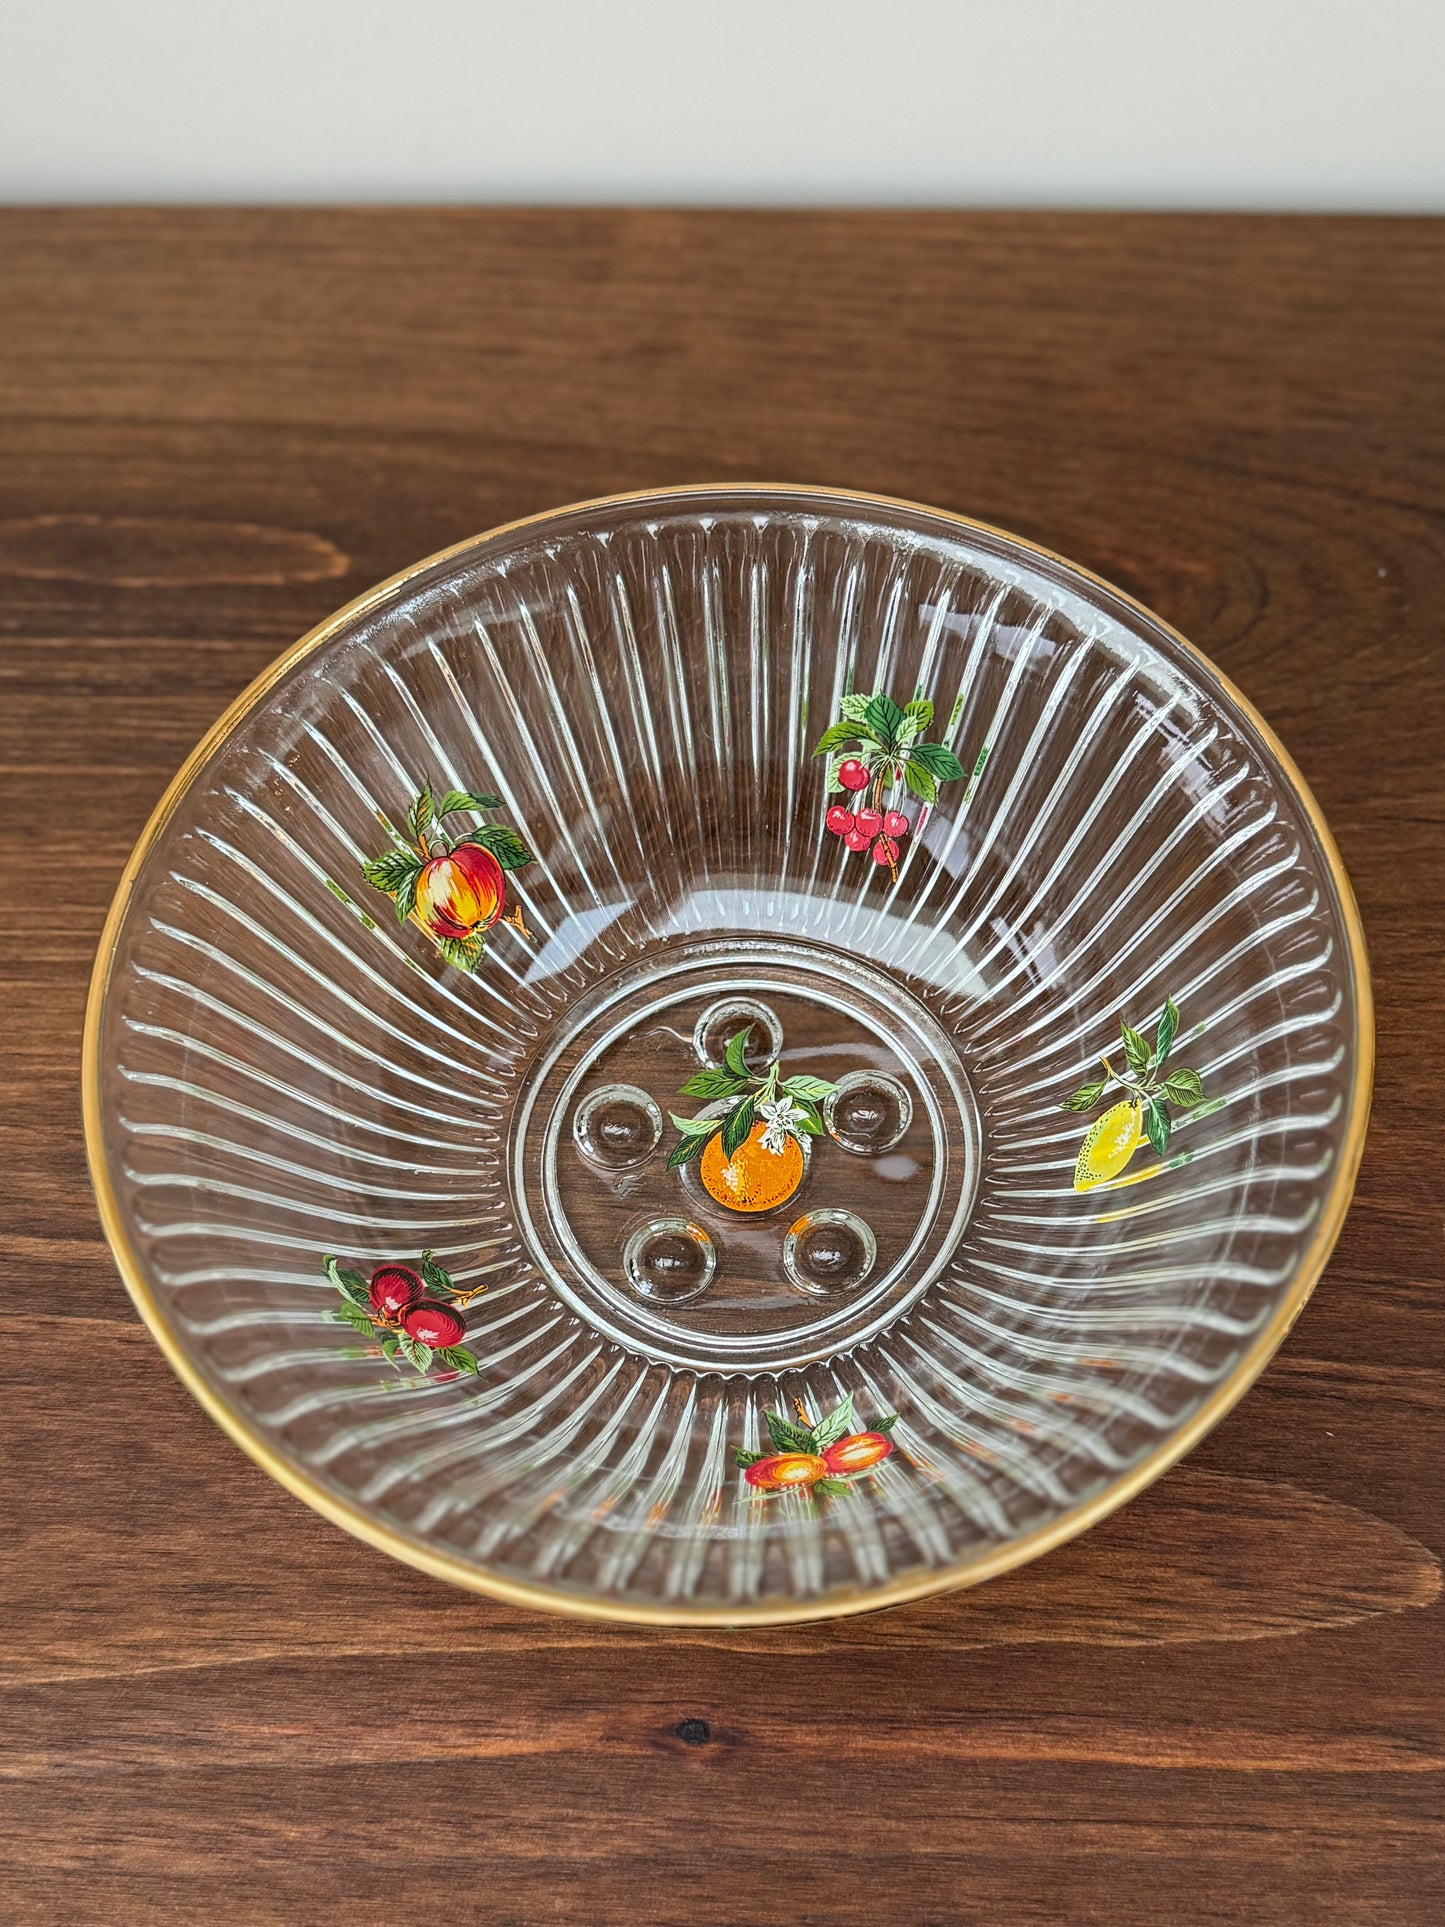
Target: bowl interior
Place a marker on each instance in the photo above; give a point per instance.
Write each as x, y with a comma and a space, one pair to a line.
1049, 1045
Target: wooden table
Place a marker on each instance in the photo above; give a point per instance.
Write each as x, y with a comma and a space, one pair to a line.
1225, 1704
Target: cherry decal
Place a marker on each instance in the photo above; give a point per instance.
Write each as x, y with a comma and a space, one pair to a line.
839, 820
852, 775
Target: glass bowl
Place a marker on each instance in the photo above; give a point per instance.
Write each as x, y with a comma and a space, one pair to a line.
728, 1055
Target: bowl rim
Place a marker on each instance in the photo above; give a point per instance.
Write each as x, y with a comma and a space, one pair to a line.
374, 1531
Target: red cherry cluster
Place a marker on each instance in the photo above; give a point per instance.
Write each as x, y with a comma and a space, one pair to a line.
867, 827
397, 1302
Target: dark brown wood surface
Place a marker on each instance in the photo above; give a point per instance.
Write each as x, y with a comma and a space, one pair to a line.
1225, 1704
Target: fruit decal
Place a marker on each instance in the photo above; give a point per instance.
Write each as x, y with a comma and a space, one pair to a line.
416, 1315
452, 887
1143, 1112
886, 753
751, 1146
822, 1460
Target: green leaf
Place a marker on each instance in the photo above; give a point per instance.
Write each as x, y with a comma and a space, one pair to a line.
390, 1345
415, 1352
437, 1277
691, 1147
854, 707
837, 1425
349, 1283
921, 710
810, 1123
460, 1359
733, 1056
736, 1126
811, 1087
714, 1083
833, 782
462, 953
703, 1126
1168, 1026
1156, 1123
504, 844
831, 1488
920, 782
882, 716
466, 800
422, 814
885, 1425
1136, 1050
836, 737
405, 898
1184, 1088
354, 1316
1086, 1097
743, 1457
388, 873
942, 765
786, 1436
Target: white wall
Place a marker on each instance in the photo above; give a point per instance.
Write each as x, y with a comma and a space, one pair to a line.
1146, 103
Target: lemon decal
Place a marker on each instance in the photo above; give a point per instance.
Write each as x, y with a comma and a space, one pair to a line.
1109, 1145
1143, 1112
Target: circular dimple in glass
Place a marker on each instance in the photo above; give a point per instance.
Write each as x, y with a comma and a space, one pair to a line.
617, 1126
867, 1112
725, 1018
669, 1261
829, 1252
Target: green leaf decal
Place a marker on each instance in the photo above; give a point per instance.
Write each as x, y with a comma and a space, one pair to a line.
737, 1124
921, 710
831, 1488
462, 953
941, 764
466, 800
349, 1283
882, 715
885, 1425
404, 896
838, 1424
743, 1457
1156, 1123
504, 844
833, 782
460, 1359
788, 1437
919, 781
422, 814
733, 1056
1168, 1027
1136, 1050
1184, 1088
415, 1352
354, 1316
855, 707
713, 1083
437, 1277
835, 737
691, 1147
810, 1087
389, 872
390, 1345
1086, 1097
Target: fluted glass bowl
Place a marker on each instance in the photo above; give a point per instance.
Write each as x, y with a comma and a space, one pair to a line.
731, 1054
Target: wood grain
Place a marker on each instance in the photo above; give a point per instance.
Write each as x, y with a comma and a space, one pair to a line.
1222, 1705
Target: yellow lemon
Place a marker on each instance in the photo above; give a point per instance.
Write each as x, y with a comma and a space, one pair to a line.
752, 1179
1109, 1145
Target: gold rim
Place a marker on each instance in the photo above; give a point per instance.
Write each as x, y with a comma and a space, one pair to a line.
1017, 1552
